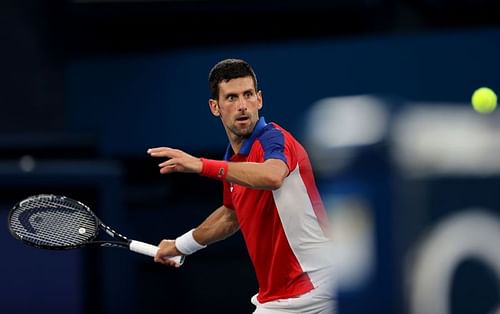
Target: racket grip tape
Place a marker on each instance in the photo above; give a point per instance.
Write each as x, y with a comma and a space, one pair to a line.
150, 250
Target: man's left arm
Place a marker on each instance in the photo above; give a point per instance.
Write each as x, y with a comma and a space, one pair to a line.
267, 175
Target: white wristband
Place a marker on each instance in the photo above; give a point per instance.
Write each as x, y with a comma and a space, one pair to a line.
187, 245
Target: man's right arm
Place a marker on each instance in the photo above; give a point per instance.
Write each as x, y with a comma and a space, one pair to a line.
221, 224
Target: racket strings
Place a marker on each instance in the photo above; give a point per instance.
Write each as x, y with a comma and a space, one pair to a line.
53, 229
53, 222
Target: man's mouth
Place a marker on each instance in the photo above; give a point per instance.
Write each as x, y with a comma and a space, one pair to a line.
242, 119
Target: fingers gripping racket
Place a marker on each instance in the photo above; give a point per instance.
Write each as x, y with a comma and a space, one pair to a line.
57, 222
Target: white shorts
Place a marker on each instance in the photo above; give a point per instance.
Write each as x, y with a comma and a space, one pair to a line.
317, 301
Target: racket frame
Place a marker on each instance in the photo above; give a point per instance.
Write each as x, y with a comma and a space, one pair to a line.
121, 242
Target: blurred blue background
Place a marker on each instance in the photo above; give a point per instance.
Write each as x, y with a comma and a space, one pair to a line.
378, 92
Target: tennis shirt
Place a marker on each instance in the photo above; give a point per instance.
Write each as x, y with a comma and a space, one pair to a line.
285, 230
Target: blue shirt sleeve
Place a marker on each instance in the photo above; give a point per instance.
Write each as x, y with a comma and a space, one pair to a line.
273, 144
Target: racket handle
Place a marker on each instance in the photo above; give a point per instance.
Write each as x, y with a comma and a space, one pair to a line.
150, 250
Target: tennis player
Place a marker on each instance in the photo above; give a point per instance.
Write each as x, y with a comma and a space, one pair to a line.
269, 193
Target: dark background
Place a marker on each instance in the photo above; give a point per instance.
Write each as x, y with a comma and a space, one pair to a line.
88, 86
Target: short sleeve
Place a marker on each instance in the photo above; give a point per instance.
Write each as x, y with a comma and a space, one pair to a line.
273, 145
276, 146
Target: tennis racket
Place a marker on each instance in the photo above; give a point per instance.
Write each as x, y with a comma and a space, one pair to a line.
57, 222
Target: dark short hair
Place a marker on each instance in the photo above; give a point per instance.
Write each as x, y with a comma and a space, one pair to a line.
226, 70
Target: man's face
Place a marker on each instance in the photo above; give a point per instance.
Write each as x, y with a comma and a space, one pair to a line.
238, 106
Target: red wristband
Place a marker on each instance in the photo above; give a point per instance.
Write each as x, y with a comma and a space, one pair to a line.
215, 169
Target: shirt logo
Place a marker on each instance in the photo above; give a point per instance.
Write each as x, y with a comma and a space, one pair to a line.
220, 173
231, 187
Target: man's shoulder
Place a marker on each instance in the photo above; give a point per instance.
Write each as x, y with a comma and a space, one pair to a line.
276, 129
273, 133
270, 130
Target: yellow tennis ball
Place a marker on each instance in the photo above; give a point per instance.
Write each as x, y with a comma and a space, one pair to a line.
484, 100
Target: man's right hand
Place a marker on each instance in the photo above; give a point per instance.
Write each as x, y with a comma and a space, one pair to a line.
167, 249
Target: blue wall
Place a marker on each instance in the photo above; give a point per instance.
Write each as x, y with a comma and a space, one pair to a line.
132, 102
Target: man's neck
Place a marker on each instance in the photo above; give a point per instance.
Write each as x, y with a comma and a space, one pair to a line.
236, 143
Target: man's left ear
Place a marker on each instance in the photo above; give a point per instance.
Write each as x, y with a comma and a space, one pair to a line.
259, 96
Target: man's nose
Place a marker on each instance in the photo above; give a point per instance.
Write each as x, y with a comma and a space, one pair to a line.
242, 104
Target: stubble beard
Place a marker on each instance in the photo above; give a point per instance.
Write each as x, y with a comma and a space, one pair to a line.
242, 132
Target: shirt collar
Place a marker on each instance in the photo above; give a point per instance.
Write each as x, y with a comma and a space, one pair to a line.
245, 148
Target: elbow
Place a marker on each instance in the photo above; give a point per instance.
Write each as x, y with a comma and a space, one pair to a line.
232, 225
275, 182
235, 226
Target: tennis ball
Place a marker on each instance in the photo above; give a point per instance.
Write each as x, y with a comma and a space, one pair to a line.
484, 100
